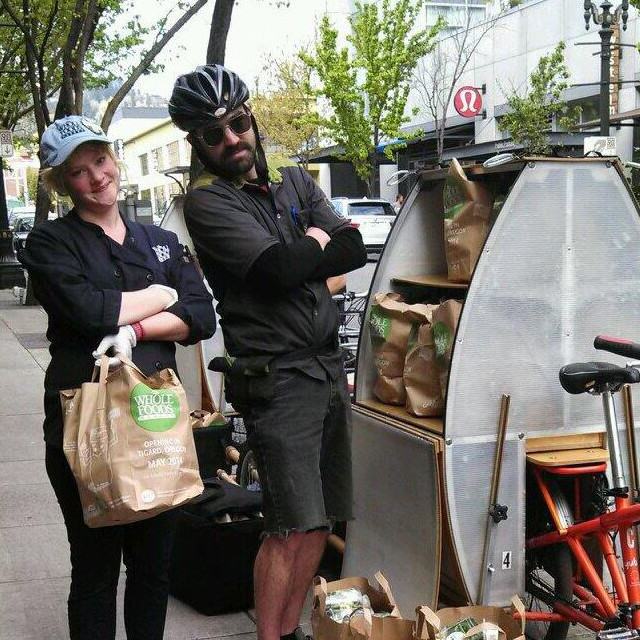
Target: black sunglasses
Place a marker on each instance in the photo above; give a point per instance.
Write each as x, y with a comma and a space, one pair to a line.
213, 136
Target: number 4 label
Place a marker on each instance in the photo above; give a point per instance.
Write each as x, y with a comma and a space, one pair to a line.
506, 560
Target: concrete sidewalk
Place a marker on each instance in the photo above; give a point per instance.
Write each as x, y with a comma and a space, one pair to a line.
34, 553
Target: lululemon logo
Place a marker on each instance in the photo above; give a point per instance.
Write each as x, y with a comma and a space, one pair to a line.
154, 410
468, 99
467, 102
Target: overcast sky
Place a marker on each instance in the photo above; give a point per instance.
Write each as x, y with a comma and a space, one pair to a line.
257, 28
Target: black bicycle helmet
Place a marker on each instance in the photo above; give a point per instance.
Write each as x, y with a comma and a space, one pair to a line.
205, 95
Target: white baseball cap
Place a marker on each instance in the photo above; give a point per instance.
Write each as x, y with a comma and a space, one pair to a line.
62, 138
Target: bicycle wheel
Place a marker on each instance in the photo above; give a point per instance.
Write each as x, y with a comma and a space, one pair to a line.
549, 579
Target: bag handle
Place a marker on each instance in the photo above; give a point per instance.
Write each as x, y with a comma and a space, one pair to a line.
386, 589
319, 593
102, 388
426, 619
129, 363
519, 607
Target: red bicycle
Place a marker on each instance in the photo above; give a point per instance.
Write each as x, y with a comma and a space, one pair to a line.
578, 522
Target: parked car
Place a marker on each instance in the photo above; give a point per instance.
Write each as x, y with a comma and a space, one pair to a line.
22, 225
17, 212
372, 217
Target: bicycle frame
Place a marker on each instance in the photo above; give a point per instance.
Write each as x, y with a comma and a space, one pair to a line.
622, 518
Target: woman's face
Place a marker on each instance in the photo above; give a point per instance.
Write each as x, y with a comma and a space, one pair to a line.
92, 178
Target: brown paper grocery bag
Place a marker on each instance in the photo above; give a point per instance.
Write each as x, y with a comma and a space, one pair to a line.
390, 325
467, 210
421, 374
393, 627
445, 324
499, 619
129, 444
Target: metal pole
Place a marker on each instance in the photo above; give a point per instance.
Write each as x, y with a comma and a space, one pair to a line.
486, 568
605, 72
631, 439
615, 452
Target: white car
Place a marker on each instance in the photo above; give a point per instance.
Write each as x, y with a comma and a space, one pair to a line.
372, 217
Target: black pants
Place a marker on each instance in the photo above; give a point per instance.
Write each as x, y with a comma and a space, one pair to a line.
145, 548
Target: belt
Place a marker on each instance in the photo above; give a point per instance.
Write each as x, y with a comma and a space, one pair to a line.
263, 362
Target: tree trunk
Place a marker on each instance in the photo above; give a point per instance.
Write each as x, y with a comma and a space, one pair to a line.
43, 202
220, 23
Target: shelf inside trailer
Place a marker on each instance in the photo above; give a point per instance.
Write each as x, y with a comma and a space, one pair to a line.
434, 425
434, 280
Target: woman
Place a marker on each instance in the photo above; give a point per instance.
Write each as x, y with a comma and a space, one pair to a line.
107, 284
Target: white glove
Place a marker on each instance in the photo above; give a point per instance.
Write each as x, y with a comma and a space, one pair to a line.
121, 342
171, 294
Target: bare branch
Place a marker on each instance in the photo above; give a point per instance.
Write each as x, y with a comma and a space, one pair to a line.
147, 59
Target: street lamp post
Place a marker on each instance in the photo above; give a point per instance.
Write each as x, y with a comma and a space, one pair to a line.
607, 19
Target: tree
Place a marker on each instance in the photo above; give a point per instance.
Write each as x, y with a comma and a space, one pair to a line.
64, 45
287, 112
367, 89
436, 76
530, 115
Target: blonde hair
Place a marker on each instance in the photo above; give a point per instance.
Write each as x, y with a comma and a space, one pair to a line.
53, 178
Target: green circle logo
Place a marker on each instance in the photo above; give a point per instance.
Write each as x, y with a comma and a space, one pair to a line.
154, 410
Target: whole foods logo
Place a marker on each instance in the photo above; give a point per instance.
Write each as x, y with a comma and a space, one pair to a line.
380, 324
154, 410
442, 339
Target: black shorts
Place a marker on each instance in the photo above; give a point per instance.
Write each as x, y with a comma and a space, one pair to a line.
302, 443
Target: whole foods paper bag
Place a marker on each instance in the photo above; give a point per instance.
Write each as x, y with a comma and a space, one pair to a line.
421, 374
359, 627
390, 325
467, 209
445, 323
129, 443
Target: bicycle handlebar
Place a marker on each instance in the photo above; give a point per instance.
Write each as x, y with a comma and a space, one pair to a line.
619, 346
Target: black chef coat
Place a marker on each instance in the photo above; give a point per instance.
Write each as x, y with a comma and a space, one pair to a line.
78, 274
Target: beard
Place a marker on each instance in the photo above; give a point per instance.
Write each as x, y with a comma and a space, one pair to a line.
232, 168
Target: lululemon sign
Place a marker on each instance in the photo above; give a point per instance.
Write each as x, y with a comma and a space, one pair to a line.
467, 102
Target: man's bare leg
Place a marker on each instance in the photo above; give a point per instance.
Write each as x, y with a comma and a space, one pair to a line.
307, 560
282, 573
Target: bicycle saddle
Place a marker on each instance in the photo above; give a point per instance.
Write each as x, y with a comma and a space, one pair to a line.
595, 377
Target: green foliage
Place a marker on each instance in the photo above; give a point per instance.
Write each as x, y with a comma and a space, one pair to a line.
367, 90
529, 118
287, 111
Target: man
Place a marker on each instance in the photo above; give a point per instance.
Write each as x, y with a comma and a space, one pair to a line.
269, 249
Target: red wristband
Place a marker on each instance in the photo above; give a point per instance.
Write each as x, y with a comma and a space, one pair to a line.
138, 330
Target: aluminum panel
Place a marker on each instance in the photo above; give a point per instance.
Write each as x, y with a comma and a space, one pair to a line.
397, 513
466, 466
559, 267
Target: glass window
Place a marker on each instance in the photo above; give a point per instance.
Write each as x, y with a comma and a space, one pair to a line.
145, 194
160, 199
456, 13
370, 209
173, 154
158, 163
144, 164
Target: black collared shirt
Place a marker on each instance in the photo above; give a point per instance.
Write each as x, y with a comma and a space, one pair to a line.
78, 275
231, 227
